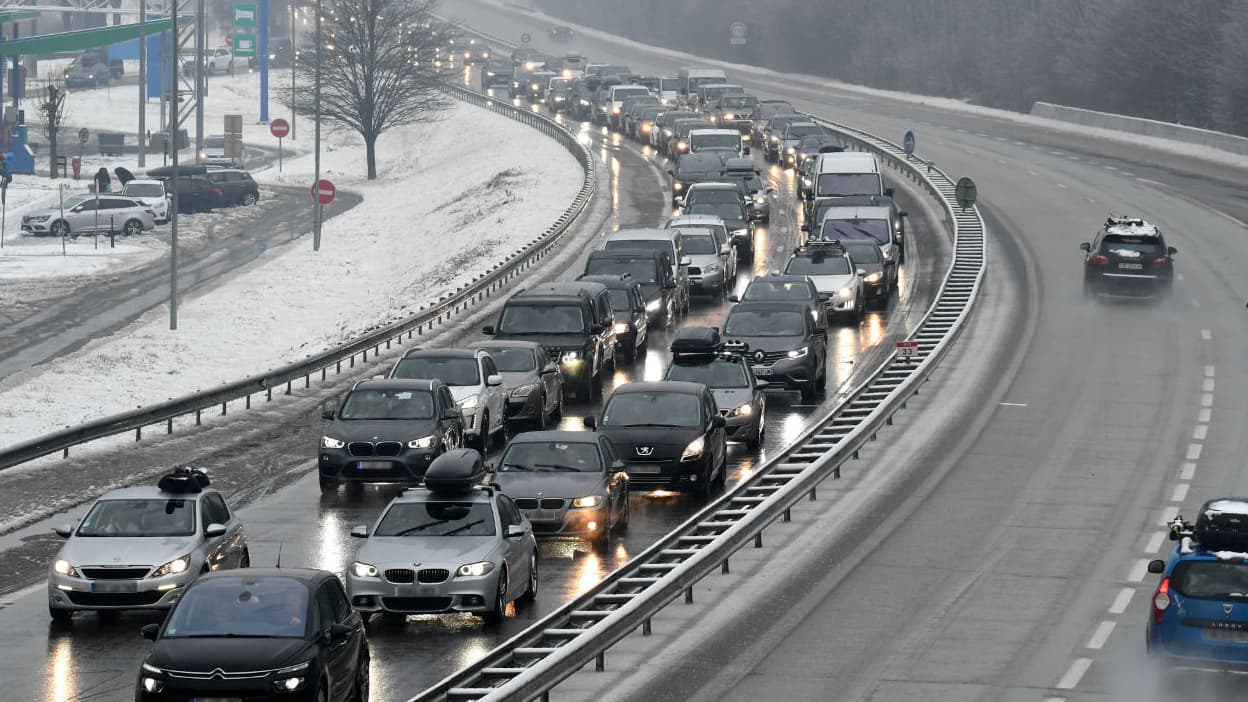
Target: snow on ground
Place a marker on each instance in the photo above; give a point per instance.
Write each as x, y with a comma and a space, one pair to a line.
454, 196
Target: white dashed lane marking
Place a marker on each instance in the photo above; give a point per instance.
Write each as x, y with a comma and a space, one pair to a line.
1155, 540
1167, 515
1122, 600
1100, 636
1074, 674
1209, 371
1206, 385
1193, 452
1187, 471
1200, 432
1180, 492
1206, 334
1204, 415
1206, 399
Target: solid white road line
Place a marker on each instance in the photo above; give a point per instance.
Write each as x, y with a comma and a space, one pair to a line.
1100, 636
1074, 674
1122, 600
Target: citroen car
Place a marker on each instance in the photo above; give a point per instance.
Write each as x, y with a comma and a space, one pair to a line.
1128, 256
454, 545
532, 382
474, 382
141, 547
258, 634
388, 431
829, 267
785, 347
699, 356
567, 483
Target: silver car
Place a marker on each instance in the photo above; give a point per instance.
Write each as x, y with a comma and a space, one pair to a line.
435, 551
707, 270
474, 382
140, 547
79, 215
532, 383
717, 226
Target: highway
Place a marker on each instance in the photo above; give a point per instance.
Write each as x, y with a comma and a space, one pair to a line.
267, 466
1005, 560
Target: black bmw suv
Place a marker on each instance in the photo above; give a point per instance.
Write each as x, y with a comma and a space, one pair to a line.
1128, 256
785, 345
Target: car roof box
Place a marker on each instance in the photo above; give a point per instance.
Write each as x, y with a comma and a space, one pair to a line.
458, 470
696, 340
183, 481
1222, 524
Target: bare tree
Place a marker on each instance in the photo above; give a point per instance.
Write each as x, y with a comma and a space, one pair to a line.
378, 66
50, 106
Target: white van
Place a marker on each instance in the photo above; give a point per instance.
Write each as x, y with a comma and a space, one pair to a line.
668, 241
692, 78
844, 174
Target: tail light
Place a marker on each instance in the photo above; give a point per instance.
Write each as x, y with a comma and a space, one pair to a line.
1159, 262
218, 191
1161, 600
151, 212
1099, 259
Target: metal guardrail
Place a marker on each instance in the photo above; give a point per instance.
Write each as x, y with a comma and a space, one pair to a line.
537, 659
465, 297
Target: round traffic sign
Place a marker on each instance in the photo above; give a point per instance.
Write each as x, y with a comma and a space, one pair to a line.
279, 127
83, 135
525, 38
738, 29
323, 192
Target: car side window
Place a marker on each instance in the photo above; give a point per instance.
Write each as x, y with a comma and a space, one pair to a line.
507, 511
608, 455
342, 606
487, 365
216, 504
708, 404
325, 607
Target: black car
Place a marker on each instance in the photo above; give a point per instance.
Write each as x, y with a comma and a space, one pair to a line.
561, 32
728, 202
668, 434
629, 303
694, 168
699, 356
258, 634
1128, 256
562, 322
567, 483
880, 281
281, 54
388, 431
786, 288
653, 272
785, 345
195, 194
496, 74
237, 186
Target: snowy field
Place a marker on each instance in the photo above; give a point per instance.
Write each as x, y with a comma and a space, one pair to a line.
453, 197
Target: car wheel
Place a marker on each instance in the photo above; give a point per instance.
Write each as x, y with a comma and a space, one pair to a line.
721, 480
530, 593
628, 513
59, 228
250, 199
245, 561
132, 227
498, 613
212, 69
557, 413
360, 693
328, 485
322, 694
602, 540
61, 616
755, 442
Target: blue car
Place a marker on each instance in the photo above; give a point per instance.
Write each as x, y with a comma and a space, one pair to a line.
1199, 613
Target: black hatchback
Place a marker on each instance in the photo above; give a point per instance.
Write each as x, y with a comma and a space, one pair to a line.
258, 634
1128, 256
237, 186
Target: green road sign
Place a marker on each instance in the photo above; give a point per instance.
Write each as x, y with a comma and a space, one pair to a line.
244, 14
244, 45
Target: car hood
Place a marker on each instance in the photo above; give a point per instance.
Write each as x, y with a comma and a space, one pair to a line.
448, 552
550, 341
831, 283
701, 260
381, 429
515, 379
463, 392
229, 654
117, 551
624, 439
768, 343
732, 398
548, 484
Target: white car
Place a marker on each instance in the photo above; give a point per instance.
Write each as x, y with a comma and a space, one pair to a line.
219, 60
839, 283
214, 147
150, 192
117, 213
475, 383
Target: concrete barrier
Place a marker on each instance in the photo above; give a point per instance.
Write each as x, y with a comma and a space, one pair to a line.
1144, 127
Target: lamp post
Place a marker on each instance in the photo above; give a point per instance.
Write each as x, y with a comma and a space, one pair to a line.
142, 82
316, 100
171, 144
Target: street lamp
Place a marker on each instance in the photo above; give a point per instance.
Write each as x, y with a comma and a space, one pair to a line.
316, 101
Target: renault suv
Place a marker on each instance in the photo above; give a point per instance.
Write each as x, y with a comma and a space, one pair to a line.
785, 347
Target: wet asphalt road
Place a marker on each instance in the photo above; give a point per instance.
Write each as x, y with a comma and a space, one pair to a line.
98, 657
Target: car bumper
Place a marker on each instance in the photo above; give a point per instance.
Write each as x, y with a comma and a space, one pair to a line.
452, 595
1191, 650
567, 522
1128, 284
792, 373
528, 407
410, 467
840, 305
707, 282
672, 473
252, 690
875, 291
80, 594
36, 227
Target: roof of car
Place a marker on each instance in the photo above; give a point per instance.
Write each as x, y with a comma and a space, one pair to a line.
149, 492
563, 287
571, 437
628, 253
676, 386
714, 185
396, 384
769, 306
639, 234
705, 132
848, 162
618, 281
443, 352
1130, 226
423, 494
695, 219
852, 212
782, 278
307, 576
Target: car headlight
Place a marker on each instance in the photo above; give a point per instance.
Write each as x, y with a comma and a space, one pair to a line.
474, 570
682, 145
814, 314
64, 568
177, 565
490, 73
694, 449
621, 327
331, 442
710, 268
570, 357
364, 570
149, 668
424, 442
775, 140
742, 233
559, 98
678, 186
469, 402
645, 128
524, 390
615, 110
587, 501
888, 254
743, 411
298, 667
152, 685
667, 132
287, 684
873, 278
760, 200
845, 293
791, 150
584, 102
39, 218
535, 87
653, 305
798, 353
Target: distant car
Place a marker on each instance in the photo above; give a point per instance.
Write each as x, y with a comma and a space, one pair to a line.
1128, 256
141, 547
828, 265
214, 147
708, 273
258, 634
699, 356
220, 60
78, 215
653, 272
567, 483
532, 382
281, 54
451, 546
562, 322
388, 431
474, 50
628, 302
496, 74
474, 382
728, 202
723, 238
561, 32
151, 193
237, 186
786, 288
88, 71
785, 345
880, 281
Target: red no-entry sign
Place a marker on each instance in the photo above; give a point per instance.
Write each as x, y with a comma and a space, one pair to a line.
279, 128
323, 192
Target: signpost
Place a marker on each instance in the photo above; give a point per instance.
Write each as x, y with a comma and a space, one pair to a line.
323, 192
737, 32
279, 128
907, 349
244, 45
966, 193
244, 14
525, 38
908, 143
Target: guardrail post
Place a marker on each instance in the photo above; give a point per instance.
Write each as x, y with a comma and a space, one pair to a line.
169, 426
197, 422
307, 380
323, 373
600, 662
758, 540
723, 567
269, 395
788, 515
65, 453
138, 434
338, 367
689, 595
223, 409
812, 494
645, 627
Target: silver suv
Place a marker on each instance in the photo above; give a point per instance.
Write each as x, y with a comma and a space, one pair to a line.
475, 383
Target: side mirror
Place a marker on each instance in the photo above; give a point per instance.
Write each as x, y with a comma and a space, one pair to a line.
679, 202
551, 367
1171, 250
591, 423
670, 172
745, 151
453, 413
861, 273
669, 284
618, 466
685, 261
214, 531
1156, 566
596, 329
327, 414
718, 421
150, 631
734, 298
810, 194
1086, 246
769, 190
903, 213
761, 384
359, 531
338, 632
805, 227
888, 192
494, 381
515, 531
488, 330
64, 531
491, 466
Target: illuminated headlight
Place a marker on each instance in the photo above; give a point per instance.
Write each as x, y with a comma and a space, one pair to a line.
615, 110
743, 411
797, 353
64, 568
678, 186
490, 73
424, 442
524, 390
177, 565
469, 402
152, 685
741, 233
682, 145
299, 667
694, 449
364, 570
474, 570
287, 684
621, 327
714, 119
467, 54
570, 357
653, 305
814, 314
559, 98
149, 668
760, 200
845, 293
331, 442
645, 128
873, 278
535, 87
584, 102
775, 139
667, 132
791, 150
530, 66
587, 501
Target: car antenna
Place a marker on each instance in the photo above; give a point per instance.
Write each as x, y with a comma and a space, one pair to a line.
279, 555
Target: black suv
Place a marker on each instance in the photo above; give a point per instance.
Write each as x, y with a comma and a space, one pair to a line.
629, 303
651, 269
237, 186
388, 431
1128, 256
562, 321
785, 345
669, 434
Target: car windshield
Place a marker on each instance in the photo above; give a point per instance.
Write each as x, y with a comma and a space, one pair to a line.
551, 456
689, 168
700, 244
817, 265
650, 408
814, 142
717, 195
542, 319
1211, 580
714, 141
643, 270
241, 606
739, 101
622, 94
140, 517
842, 184
144, 190
864, 253
720, 373
513, 360
387, 404
768, 290
723, 210
621, 300
765, 323
1132, 246
670, 84
796, 131
767, 111
452, 371
437, 518
871, 229
215, 142
661, 245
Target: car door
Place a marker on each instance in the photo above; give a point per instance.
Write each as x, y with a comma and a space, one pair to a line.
551, 378
340, 653
719, 435
452, 429
494, 396
617, 490
82, 217
235, 541
515, 548
216, 551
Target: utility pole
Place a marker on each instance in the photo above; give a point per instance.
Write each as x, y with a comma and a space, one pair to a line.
293, 54
142, 83
201, 77
171, 144
316, 100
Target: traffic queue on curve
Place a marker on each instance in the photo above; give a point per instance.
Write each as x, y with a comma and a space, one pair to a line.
472, 527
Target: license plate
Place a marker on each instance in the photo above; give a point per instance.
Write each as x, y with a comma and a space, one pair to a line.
1132, 266
115, 586
761, 370
373, 465
644, 468
1226, 636
541, 515
216, 699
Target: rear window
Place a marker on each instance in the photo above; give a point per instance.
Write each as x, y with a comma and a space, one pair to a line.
1131, 246
622, 93
643, 270
817, 265
1211, 580
663, 245
867, 229
714, 141
842, 184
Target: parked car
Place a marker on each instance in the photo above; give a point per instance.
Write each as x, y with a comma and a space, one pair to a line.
79, 215
151, 193
196, 194
237, 186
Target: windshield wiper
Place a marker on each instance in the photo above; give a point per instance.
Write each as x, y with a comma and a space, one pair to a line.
558, 466
514, 466
231, 636
469, 525
420, 527
650, 424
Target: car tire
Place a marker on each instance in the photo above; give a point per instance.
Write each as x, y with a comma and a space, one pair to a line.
322, 693
721, 480
359, 692
250, 199
496, 615
755, 442
59, 228
245, 561
628, 513
483, 434
328, 485
530, 593
60, 616
132, 227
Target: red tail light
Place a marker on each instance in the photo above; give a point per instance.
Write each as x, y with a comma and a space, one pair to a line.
218, 191
1159, 262
1161, 600
1099, 259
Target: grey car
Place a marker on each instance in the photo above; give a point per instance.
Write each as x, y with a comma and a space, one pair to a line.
532, 383
140, 547
707, 271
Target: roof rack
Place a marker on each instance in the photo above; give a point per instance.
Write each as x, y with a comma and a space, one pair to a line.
815, 244
183, 480
1124, 221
